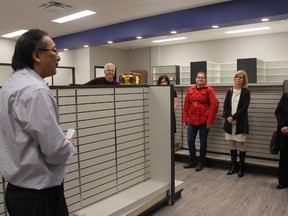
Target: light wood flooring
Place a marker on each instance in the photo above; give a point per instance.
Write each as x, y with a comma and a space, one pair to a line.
211, 193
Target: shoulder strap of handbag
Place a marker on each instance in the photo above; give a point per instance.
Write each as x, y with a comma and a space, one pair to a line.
208, 101
207, 94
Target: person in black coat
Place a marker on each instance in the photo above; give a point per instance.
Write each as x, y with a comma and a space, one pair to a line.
281, 114
236, 125
164, 80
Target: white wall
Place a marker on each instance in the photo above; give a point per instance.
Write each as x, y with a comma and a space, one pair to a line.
7, 50
6, 53
80, 59
101, 55
139, 59
264, 47
85, 59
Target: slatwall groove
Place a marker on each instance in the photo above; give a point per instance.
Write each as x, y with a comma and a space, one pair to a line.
96, 140
262, 122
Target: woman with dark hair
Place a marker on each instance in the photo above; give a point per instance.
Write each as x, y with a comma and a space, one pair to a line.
164, 80
236, 125
200, 107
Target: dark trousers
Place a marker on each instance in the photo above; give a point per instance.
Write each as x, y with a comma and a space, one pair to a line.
283, 164
30, 202
191, 137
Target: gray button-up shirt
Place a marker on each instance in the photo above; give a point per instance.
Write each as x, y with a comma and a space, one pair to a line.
33, 148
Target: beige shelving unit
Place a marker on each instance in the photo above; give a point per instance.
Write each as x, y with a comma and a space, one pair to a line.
185, 75
216, 73
268, 72
227, 71
172, 71
213, 72
260, 71
275, 71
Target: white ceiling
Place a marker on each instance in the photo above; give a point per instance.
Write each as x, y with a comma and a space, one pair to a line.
26, 14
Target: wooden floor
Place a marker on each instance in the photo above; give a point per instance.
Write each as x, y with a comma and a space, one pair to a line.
211, 193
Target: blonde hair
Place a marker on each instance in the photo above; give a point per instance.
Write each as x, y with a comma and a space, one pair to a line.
245, 78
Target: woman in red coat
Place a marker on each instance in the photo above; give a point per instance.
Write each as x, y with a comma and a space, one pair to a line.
200, 107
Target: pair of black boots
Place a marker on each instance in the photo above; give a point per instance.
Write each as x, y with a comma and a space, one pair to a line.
234, 166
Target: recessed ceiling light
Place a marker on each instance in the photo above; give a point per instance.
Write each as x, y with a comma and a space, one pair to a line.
173, 32
215, 26
65, 49
86, 46
265, 19
248, 30
14, 34
139, 37
74, 16
110, 42
169, 39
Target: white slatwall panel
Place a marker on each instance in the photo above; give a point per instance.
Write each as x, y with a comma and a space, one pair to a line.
66, 103
112, 141
262, 122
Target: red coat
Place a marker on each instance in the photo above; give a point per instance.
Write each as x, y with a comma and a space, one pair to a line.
198, 109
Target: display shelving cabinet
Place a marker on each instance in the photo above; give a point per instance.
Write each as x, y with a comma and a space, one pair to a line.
276, 71
195, 67
216, 72
185, 75
250, 66
258, 71
172, 71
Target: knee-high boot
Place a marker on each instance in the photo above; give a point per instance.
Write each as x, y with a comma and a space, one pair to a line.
233, 168
242, 164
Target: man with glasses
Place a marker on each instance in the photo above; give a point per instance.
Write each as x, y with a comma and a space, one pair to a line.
33, 148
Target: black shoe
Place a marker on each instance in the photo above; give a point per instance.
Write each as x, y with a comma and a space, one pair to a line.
280, 186
232, 171
189, 165
199, 167
240, 174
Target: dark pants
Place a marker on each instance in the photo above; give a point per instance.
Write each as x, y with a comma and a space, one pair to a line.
30, 202
191, 137
283, 164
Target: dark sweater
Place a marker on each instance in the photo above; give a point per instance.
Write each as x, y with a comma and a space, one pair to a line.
101, 81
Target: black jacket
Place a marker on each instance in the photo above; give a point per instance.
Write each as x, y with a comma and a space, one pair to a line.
281, 112
241, 115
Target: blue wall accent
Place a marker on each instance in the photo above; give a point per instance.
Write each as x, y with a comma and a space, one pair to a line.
237, 12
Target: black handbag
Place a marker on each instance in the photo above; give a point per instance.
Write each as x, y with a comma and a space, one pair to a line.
275, 142
223, 114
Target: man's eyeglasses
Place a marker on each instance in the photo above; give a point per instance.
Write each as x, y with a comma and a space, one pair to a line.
53, 50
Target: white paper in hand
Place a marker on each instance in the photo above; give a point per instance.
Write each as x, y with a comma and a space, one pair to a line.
70, 133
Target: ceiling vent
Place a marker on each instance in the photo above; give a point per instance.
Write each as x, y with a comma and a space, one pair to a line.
54, 6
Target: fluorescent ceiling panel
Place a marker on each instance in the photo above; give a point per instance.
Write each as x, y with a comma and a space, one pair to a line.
14, 34
74, 16
169, 39
248, 30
